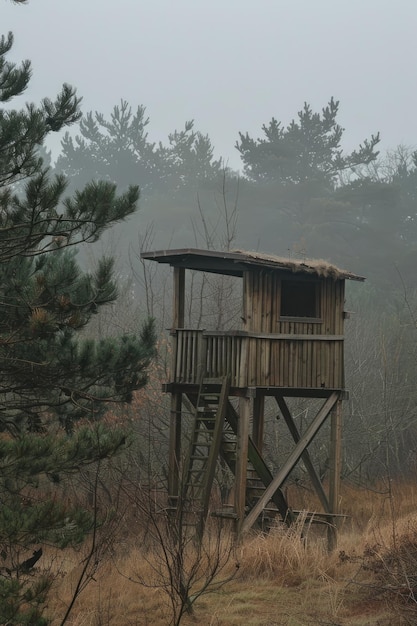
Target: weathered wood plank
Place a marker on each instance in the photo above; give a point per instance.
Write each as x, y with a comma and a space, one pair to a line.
306, 336
242, 459
335, 467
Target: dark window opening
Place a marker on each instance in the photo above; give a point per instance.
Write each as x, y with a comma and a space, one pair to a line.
299, 299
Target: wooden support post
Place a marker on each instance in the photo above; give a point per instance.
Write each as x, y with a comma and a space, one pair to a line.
335, 469
243, 366
176, 398
241, 460
258, 421
291, 461
177, 316
174, 448
179, 297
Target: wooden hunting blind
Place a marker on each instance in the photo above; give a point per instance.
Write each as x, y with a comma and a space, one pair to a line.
290, 344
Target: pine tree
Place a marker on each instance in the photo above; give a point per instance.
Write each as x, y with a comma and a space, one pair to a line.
307, 150
295, 174
188, 160
118, 149
50, 378
115, 149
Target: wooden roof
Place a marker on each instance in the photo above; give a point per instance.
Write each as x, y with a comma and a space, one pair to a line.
234, 263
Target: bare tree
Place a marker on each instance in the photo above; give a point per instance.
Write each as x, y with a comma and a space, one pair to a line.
183, 567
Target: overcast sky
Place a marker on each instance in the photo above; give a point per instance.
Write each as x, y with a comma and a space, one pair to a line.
231, 65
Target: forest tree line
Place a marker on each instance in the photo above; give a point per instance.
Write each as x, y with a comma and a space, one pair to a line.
298, 192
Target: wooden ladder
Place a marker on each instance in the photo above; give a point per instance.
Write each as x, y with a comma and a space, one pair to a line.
205, 441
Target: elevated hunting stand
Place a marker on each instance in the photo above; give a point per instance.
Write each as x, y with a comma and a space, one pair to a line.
290, 345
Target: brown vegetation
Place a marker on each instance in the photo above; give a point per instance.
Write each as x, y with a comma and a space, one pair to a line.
285, 577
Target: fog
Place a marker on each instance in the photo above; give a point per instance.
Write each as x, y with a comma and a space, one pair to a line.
230, 65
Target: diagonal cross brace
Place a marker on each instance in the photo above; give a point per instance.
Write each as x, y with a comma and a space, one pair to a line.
291, 461
315, 479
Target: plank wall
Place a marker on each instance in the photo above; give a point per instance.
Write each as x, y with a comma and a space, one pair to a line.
269, 351
298, 353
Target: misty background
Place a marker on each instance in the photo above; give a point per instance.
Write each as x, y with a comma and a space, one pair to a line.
284, 127
230, 65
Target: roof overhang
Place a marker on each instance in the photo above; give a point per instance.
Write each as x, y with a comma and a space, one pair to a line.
236, 262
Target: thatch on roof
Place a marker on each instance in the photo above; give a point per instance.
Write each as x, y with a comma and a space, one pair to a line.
320, 267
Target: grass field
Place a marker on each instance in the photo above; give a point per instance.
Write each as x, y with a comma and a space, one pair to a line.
285, 577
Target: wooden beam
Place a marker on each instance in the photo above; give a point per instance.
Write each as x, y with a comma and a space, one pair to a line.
289, 392
242, 459
174, 454
315, 479
243, 368
176, 396
335, 456
179, 298
272, 336
258, 421
291, 461
335, 469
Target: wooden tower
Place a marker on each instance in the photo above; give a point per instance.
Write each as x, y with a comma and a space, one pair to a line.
290, 345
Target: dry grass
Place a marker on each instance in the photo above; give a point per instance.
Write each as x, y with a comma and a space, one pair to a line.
285, 577
286, 556
113, 596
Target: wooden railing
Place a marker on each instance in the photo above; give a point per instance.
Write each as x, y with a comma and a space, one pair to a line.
259, 360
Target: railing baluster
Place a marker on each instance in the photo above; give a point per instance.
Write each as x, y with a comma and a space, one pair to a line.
282, 359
